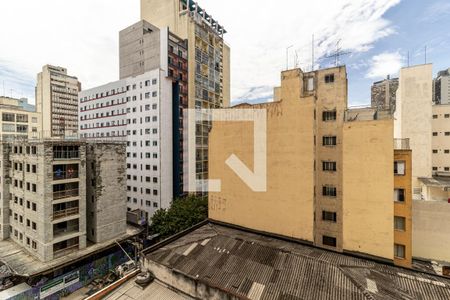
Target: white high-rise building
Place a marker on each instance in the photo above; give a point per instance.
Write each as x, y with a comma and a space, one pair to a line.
138, 110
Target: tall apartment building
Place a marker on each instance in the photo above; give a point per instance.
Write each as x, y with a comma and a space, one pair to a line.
138, 110
45, 196
19, 119
144, 47
322, 159
57, 101
413, 115
441, 87
208, 67
383, 93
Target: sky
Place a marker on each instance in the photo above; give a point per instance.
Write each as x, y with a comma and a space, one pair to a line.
265, 37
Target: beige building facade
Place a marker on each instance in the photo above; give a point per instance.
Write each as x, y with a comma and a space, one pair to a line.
322, 159
441, 140
208, 66
18, 121
413, 115
57, 101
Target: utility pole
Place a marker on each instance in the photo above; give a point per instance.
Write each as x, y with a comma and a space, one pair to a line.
312, 53
408, 58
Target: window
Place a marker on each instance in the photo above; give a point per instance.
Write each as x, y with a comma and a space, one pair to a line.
446, 151
329, 115
400, 223
435, 134
329, 141
435, 151
33, 206
329, 216
399, 167
329, 78
329, 191
34, 245
329, 241
447, 133
329, 166
155, 205
6, 117
447, 116
399, 195
33, 226
435, 116
446, 169
399, 251
435, 168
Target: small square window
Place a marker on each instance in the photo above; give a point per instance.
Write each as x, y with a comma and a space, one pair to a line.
329, 78
399, 223
399, 251
399, 167
329, 241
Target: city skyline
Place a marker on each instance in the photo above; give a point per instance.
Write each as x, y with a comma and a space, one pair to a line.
376, 33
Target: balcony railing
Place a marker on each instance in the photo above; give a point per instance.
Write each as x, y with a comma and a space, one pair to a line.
65, 194
62, 231
65, 251
63, 175
74, 154
65, 213
401, 144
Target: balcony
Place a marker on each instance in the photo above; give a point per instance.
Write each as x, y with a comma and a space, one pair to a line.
65, 247
61, 191
64, 172
66, 152
64, 228
60, 214
401, 144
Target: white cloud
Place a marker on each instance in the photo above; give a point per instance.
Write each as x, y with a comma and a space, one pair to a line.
82, 35
386, 63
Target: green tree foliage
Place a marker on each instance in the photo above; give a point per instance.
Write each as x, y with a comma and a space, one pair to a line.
184, 213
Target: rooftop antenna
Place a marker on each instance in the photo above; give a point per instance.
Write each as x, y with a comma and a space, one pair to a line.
287, 56
425, 54
296, 59
337, 54
312, 53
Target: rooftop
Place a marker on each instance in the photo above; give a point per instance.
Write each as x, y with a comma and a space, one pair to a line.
155, 291
24, 264
257, 266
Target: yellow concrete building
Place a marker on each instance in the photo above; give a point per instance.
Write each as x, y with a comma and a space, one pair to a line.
208, 63
18, 119
330, 176
402, 204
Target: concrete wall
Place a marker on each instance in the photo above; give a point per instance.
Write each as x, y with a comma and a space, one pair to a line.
368, 185
139, 52
414, 101
287, 206
106, 191
430, 230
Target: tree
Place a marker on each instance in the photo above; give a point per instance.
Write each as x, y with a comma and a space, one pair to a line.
184, 213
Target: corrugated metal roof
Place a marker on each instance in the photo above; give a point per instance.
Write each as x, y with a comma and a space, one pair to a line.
259, 267
155, 291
